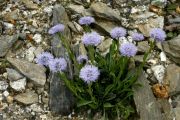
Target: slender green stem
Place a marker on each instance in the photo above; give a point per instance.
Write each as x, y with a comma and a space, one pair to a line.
91, 53
90, 92
124, 65
86, 28
70, 85
70, 53
152, 44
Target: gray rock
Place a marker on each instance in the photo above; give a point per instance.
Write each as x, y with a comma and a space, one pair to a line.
82, 49
176, 105
72, 27
36, 108
159, 72
177, 113
1, 27
139, 58
174, 20
159, 3
78, 27
105, 45
11, 15
6, 43
18, 85
105, 26
60, 98
145, 102
172, 49
34, 72
165, 106
3, 85
172, 77
27, 98
76, 8
13, 74
30, 5
142, 16
145, 28
103, 11
143, 46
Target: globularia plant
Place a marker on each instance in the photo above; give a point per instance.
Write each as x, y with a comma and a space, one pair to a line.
101, 83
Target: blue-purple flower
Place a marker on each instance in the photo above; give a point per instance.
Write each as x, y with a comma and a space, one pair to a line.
44, 58
56, 28
92, 38
158, 34
86, 20
118, 32
137, 36
58, 65
128, 49
82, 58
89, 73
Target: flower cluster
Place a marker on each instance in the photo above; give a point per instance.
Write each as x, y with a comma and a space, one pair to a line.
55, 64
97, 78
82, 58
89, 73
137, 36
158, 34
118, 32
128, 49
58, 64
92, 38
44, 58
56, 28
86, 20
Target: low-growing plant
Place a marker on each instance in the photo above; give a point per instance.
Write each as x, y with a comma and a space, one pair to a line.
101, 83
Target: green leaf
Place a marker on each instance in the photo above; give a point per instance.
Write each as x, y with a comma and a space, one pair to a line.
68, 83
83, 103
111, 97
108, 105
172, 7
170, 34
108, 89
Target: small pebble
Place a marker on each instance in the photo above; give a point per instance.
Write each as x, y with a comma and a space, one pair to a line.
10, 99
8, 25
5, 93
163, 57
5, 75
37, 38
153, 61
159, 72
1, 97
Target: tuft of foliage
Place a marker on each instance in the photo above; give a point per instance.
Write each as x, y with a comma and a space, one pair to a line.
103, 83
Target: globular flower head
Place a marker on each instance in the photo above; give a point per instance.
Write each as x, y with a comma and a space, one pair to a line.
128, 49
58, 65
82, 59
56, 28
86, 20
92, 38
44, 58
158, 34
89, 73
118, 32
137, 36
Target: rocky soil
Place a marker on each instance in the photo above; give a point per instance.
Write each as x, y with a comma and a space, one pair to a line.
26, 89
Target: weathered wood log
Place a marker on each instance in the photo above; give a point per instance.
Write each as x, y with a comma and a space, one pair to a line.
61, 99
